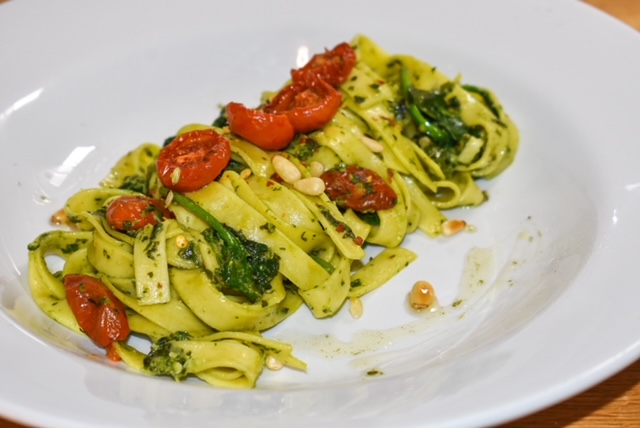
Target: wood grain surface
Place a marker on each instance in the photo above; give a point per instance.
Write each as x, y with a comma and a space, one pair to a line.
616, 401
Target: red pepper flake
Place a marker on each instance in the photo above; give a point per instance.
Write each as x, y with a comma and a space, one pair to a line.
390, 120
275, 177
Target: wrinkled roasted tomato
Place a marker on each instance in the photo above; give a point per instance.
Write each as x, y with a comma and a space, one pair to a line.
333, 66
307, 107
98, 311
193, 160
307, 104
358, 188
128, 213
267, 130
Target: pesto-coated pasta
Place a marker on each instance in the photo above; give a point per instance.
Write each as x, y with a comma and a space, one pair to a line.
205, 274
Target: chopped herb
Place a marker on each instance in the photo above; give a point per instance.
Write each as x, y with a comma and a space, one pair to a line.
236, 165
136, 183
370, 217
168, 140
73, 247
347, 232
325, 264
303, 147
221, 121
269, 227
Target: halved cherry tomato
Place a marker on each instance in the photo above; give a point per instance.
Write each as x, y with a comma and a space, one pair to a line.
308, 107
193, 160
307, 104
269, 131
129, 213
333, 66
99, 313
358, 188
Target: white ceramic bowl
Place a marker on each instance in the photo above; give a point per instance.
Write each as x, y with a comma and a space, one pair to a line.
84, 82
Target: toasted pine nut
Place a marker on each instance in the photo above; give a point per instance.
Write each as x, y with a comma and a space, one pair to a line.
175, 175
168, 199
59, 218
286, 169
272, 363
182, 241
316, 169
245, 173
355, 307
422, 296
312, 186
451, 227
372, 144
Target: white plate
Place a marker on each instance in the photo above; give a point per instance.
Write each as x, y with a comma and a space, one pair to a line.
83, 82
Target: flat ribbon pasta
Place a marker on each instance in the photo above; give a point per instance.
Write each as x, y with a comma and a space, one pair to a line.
198, 322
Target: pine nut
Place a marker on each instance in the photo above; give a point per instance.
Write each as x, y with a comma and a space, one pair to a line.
272, 363
182, 241
245, 173
286, 169
316, 169
168, 199
422, 296
59, 218
312, 186
175, 175
373, 145
451, 227
355, 307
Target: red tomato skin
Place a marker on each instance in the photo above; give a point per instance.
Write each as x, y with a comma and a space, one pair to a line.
308, 107
112, 353
358, 188
98, 311
269, 131
129, 213
333, 66
200, 156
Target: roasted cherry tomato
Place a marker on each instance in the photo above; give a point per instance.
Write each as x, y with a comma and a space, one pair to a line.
129, 213
308, 107
99, 313
193, 160
269, 131
333, 66
358, 188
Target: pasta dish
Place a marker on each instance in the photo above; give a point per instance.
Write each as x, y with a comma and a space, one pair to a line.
201, 244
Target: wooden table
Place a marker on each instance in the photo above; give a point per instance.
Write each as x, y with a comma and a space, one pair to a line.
613, 403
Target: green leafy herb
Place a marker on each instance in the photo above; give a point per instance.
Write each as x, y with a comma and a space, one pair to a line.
370, 217
236, 165
137, 183
167, 359
221, 121
424, 123
303, 147
325, 264
245, 266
